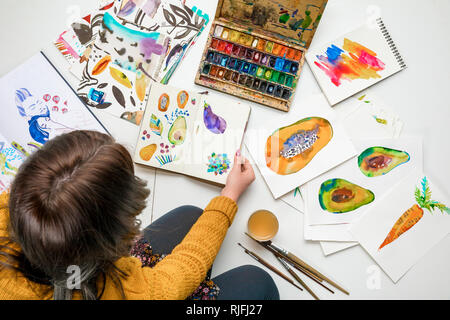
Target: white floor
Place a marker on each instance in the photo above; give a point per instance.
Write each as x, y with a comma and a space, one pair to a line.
418, 95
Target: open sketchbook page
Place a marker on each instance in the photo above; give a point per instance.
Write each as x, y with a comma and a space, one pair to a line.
218, 133
166, 132
191, 133
38, 105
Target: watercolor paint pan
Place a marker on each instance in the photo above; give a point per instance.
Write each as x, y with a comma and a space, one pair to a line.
251, 59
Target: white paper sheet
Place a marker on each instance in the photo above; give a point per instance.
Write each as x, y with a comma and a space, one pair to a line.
330, 247
398, 256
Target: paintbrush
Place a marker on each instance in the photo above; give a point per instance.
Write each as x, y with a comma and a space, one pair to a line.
296, 277
290, 256
269, 266
297, 260
296, 266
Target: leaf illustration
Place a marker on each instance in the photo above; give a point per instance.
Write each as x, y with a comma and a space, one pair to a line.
170, 18
182, 13
119, 96
103, 105
102, 85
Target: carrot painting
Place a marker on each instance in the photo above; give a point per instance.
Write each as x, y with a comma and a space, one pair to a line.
413, 215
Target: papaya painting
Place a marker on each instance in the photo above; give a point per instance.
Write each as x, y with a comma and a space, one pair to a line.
340, 195
163, 102
289, 149
415, 213
182, 99
377, 161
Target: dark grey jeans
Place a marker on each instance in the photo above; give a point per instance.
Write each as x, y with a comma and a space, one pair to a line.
243, 283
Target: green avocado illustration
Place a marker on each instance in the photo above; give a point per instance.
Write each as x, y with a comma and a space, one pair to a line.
177, 132
339, 196
376, 161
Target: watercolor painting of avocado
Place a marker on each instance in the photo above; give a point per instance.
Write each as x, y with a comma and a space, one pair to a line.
377, 161
340, 195
344, 193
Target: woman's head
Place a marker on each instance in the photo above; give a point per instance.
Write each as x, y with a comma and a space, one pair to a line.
74, 203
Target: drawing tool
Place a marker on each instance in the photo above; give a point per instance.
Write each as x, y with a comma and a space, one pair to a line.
296, 277
269, 266
251, 42
296, 266
300, 262
318, 278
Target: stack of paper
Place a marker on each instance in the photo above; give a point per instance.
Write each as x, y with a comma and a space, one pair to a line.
380, 199
118, 50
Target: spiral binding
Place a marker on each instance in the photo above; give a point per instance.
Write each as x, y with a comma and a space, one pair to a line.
391, 43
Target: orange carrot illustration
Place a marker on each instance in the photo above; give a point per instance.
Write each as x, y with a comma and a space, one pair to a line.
413, 215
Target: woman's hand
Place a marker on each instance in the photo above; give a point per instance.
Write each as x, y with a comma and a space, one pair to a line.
239, 178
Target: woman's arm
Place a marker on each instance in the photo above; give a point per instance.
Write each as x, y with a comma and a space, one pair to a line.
180, 273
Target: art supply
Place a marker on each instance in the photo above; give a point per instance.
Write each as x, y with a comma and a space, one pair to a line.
292, 263
262, 225
191, 133
296, 277
355, 61
38, 105
296, 261
261, 47
269, 266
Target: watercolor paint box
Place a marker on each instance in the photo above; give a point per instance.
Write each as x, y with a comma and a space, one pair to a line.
256, 50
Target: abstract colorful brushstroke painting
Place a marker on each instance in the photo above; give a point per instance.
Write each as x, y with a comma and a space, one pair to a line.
352, 61
413, 215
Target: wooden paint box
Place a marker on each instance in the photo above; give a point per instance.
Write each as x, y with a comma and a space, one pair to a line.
256, 49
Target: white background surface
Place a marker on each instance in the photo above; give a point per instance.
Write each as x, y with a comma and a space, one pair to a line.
419, 95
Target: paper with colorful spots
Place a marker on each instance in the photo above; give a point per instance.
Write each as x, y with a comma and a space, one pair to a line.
355, 61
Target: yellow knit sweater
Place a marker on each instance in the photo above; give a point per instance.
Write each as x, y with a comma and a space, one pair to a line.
175, 277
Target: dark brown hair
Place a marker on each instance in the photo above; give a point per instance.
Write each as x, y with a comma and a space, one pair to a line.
74, 203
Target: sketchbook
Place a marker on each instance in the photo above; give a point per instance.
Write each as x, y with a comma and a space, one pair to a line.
355, 61
37, 104
191, 133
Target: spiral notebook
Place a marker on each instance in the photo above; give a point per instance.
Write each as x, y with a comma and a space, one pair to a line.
355, 61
